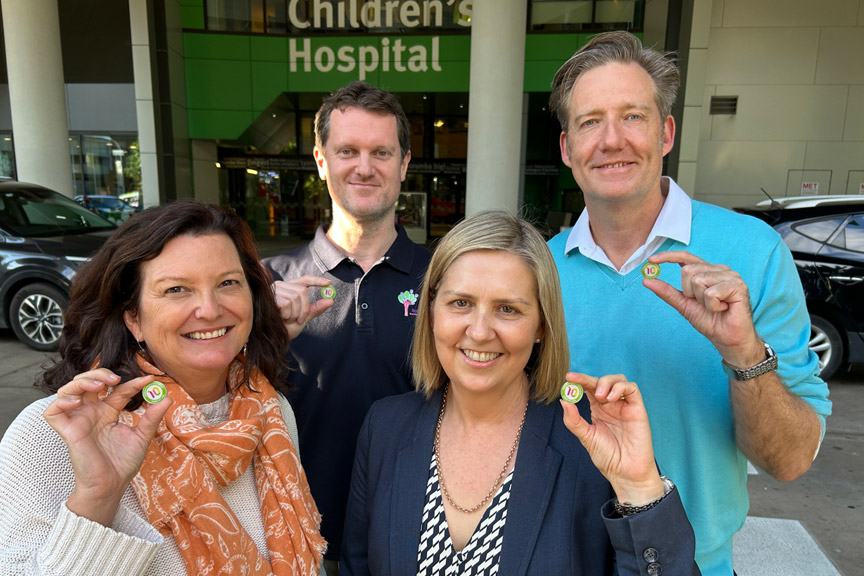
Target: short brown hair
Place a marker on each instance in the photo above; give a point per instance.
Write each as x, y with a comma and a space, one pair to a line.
363, 96
622, 48
500, 231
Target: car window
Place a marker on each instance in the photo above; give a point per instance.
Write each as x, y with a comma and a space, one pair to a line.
106, 202
852, 236
34, 212
820, 230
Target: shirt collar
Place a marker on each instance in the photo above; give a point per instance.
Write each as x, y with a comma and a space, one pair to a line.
400, 254
672, 222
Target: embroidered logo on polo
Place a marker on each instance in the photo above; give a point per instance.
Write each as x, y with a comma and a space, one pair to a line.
409, 299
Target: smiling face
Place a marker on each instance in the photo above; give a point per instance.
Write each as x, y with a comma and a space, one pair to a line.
362, 164
616, 139
194, 312
485, 319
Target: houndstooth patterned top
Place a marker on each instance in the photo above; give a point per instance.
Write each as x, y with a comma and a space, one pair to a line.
480, 557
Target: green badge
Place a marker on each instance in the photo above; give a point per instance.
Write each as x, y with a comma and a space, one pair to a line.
571, 392
650, 270
328, 292
154, 392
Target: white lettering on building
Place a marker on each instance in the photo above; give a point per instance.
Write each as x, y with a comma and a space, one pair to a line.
372, 14
366, 59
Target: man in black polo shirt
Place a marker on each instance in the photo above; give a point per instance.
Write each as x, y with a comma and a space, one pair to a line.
349, 298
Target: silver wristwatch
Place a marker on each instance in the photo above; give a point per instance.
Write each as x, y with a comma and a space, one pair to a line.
743, 374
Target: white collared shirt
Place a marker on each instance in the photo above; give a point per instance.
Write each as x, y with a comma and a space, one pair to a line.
672, 222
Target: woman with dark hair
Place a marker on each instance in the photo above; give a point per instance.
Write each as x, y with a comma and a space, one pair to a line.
207, 479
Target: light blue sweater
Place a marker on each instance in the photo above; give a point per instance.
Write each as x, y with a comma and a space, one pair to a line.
616, 325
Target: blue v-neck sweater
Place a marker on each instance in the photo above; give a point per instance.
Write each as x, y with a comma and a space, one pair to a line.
616, 325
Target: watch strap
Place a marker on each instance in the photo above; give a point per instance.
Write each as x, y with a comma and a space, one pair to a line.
744, 374
625, 509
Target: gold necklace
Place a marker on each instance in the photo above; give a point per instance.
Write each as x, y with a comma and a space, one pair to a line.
501, 475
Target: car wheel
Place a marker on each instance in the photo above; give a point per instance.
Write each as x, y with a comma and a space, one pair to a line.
36, 316
827, 343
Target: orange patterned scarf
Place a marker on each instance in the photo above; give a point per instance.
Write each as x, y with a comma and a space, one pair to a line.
188, 459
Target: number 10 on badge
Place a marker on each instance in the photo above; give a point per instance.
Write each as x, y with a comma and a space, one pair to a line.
571, 392
650, 270
154, 392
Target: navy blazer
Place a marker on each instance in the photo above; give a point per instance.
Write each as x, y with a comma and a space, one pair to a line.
557, 515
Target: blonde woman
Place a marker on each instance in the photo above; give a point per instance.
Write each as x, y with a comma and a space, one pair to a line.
485, 470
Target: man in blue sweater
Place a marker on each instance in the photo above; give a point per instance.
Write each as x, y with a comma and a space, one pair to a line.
717, 343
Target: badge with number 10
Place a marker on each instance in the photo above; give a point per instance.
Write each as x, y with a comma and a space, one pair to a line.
571, 392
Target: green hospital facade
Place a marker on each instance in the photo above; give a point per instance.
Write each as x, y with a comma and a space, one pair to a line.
255, 97
215, 99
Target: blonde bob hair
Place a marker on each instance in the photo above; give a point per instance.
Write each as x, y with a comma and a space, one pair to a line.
496, 230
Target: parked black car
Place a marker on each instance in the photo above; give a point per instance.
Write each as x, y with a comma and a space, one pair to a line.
826, 237
44, 238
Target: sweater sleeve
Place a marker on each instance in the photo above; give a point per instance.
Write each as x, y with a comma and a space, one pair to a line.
38, 533
782, 320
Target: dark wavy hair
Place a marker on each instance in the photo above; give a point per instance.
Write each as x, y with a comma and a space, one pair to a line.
110, 284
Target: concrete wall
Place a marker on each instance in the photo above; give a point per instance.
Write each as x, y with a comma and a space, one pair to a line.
797, 69
91, 108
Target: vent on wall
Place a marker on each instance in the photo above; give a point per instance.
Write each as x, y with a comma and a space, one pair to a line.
724, 105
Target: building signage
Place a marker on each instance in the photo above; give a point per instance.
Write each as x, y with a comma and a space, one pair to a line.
437, 168
365, 59
378, 15
272, 163
809, 188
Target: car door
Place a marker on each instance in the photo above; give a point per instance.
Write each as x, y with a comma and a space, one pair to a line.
841, 264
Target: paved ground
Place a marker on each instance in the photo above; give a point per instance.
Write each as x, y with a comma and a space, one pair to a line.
813, 526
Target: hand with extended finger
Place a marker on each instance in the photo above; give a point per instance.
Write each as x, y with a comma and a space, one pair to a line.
104, 453
618, 438
292, 298
715, 301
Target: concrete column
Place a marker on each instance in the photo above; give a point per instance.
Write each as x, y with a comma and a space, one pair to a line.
37, 93
495, 168
144, 102
206, 181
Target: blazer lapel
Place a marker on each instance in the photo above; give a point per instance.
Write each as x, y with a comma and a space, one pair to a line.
536, 472
409, 487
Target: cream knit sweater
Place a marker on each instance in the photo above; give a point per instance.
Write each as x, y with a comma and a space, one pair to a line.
39, 535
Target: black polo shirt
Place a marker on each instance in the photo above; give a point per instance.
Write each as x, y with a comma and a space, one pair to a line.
347, 358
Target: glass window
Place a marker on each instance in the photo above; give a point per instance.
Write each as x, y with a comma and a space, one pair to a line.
579, 15
7, 156
446, 203
307, 134
852, 236
411, 210
819, 230
106, 165
32, 211
277, 17
328, 16
235, 15
451, 137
